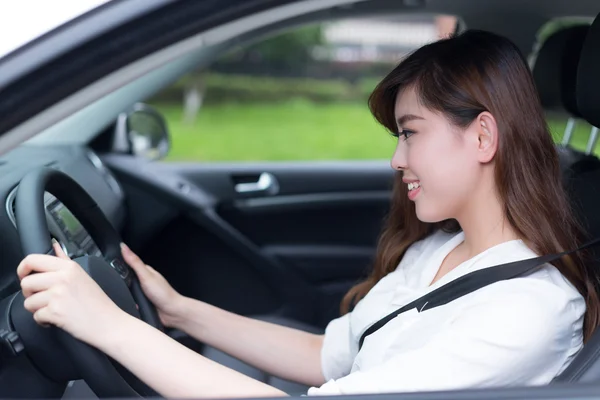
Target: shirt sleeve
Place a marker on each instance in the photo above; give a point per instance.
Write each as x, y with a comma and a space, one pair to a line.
500, 340
337, 354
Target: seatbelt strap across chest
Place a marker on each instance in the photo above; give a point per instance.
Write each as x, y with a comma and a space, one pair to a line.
469, 283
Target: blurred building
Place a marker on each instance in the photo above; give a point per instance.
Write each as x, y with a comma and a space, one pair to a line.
381, 39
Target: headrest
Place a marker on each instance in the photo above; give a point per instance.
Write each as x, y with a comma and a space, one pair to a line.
588, 76
555, 68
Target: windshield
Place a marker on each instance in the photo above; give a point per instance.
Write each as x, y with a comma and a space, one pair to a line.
25, 20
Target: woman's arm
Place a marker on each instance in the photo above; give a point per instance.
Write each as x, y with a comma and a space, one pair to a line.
62, 294
281, 351
288, 353
172, 369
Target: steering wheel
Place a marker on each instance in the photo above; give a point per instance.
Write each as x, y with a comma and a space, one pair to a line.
45, 347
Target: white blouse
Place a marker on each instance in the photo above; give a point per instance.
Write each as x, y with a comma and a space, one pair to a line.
523, 331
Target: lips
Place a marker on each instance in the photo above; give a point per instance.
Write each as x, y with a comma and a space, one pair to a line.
414, 188
414, 185
412, 194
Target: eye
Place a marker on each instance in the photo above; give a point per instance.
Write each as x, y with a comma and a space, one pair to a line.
405, 133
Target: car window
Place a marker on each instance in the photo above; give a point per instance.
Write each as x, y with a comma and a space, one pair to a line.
299, 95
302, 94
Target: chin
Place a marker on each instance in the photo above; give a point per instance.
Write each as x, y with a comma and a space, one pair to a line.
430, 214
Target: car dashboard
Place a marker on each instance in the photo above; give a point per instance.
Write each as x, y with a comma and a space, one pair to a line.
81, 164
63, 226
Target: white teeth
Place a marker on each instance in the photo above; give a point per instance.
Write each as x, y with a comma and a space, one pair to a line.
414, 185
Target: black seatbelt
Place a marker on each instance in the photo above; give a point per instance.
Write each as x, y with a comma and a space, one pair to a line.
469, 283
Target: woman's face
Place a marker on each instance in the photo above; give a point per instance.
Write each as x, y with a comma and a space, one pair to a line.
438, 161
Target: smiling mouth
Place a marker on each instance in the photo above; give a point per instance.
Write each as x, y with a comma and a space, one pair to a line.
414, 186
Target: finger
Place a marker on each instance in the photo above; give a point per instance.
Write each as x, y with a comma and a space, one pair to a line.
133, 260
38, 282
37, 301
39, 263
43, 317
58, 250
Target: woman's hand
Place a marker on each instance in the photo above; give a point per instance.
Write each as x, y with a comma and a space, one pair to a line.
59, 292
156, 288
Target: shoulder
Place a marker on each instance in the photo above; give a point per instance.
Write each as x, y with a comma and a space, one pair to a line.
541, 304
527, 295
534, 310
546, 286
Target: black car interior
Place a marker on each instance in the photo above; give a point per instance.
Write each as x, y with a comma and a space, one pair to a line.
586, 367
285, 256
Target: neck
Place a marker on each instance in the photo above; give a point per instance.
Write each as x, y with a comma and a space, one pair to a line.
484, 223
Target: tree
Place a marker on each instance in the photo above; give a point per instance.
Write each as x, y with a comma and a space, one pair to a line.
290, 47
283, 50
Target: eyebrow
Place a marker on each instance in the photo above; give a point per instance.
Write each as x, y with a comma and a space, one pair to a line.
408, 117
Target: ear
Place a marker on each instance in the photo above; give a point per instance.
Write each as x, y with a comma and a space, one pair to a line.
487, 134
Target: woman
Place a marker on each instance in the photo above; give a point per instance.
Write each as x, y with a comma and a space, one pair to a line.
477, 185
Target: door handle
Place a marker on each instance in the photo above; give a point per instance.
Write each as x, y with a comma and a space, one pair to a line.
266, 183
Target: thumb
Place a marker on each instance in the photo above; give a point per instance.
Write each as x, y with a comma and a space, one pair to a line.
133, 261
58, 250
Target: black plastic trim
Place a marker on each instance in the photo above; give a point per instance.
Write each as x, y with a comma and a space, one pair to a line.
293, 202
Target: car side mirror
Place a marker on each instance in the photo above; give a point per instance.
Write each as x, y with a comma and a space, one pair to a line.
146, 132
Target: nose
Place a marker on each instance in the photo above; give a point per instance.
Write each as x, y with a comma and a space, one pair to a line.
398, 161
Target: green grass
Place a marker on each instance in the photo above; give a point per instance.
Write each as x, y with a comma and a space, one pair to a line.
293, 130
296, 130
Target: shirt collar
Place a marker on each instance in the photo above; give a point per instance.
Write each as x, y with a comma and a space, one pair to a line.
420, 284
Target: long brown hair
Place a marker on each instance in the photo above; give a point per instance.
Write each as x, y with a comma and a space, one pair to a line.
461, 77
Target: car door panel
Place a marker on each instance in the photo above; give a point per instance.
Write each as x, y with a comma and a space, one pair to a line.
327, 237
293, 252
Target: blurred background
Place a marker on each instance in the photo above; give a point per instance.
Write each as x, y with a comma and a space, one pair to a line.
302, 94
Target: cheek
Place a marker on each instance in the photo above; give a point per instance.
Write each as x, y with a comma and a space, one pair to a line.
434, 162
444, 173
